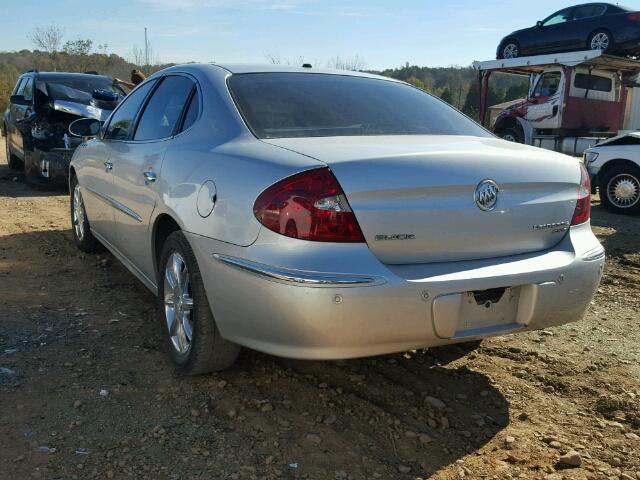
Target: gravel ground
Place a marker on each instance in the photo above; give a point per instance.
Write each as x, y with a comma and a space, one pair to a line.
86, 391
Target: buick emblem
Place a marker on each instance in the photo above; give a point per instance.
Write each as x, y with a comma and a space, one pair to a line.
486, 195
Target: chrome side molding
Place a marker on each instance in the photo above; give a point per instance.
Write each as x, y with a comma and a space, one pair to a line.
115, 204
301, 278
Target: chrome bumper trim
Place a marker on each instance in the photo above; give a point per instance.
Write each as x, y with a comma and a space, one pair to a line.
301, 278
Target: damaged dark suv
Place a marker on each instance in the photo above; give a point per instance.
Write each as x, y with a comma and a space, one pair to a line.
36, 124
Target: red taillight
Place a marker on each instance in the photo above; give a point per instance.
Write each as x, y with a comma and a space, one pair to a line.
582, 213
634, 17
309, 206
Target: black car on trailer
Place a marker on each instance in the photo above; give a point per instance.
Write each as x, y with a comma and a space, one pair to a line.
590, 26
36, 123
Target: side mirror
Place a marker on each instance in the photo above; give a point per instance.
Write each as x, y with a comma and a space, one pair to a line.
19, 100
539, 24
85, 127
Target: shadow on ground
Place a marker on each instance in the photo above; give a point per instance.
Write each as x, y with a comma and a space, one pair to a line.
75, 324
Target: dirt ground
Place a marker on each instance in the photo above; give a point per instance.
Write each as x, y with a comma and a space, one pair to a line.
86, 390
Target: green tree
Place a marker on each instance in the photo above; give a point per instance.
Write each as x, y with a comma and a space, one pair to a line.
78, 47
516, 91
447, 96
416, 82
472, 102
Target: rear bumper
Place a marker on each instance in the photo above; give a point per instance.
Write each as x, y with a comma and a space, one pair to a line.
319, 301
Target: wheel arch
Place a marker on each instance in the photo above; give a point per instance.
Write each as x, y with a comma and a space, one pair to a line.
600, 29
504, 42
163, 226
615, 162
515, 122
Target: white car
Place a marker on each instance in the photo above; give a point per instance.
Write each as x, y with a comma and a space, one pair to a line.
614, 167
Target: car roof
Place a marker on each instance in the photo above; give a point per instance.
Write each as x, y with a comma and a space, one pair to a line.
242, 68
65, 75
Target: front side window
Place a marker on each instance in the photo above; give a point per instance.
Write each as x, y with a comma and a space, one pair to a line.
285, 105
27, 90
121, 123
560, 17
162, 113
548, 84
19, 86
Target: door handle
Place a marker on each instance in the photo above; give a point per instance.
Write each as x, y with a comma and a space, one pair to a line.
149, 177
108, 166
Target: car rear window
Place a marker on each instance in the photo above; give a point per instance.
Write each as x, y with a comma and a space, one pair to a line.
286, 105
592, 82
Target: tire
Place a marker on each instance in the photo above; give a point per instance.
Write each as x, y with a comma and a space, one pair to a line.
194, 342
13, 161
620, 189
82, 236
510, 49
512, 135
600, 40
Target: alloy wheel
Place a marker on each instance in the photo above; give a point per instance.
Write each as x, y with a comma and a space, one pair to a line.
623, 190
510, 51
178, 303
509, 137
78, 213
600, 41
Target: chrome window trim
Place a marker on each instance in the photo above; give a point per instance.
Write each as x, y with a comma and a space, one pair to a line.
298, 277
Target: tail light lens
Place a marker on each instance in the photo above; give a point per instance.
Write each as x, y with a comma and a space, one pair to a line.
634, 17
310, 206
582, 213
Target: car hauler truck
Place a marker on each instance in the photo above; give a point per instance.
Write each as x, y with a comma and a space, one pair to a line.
575, 100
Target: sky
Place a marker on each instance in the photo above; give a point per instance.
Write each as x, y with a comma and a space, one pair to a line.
383, 34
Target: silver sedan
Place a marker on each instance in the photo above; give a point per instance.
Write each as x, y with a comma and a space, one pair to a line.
321, 215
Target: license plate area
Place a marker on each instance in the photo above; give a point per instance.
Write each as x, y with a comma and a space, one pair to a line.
475, 313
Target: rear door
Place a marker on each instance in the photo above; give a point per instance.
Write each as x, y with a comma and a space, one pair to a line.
136, 166
585, 19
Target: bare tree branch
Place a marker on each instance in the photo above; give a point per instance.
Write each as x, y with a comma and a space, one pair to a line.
47, 38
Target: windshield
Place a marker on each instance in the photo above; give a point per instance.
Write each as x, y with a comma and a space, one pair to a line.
286, 105
78, 89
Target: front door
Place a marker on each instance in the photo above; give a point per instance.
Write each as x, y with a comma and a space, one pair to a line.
545, 103
18, 113
551, 35
99, 197
137, 164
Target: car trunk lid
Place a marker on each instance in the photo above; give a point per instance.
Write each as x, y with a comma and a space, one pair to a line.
414, 196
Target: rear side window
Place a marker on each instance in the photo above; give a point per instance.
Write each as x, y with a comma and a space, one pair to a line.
121, 124
193, 110
162, 113
592, 82
588, 11
286, 105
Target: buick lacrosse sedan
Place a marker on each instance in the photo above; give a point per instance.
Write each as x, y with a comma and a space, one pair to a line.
323, 215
